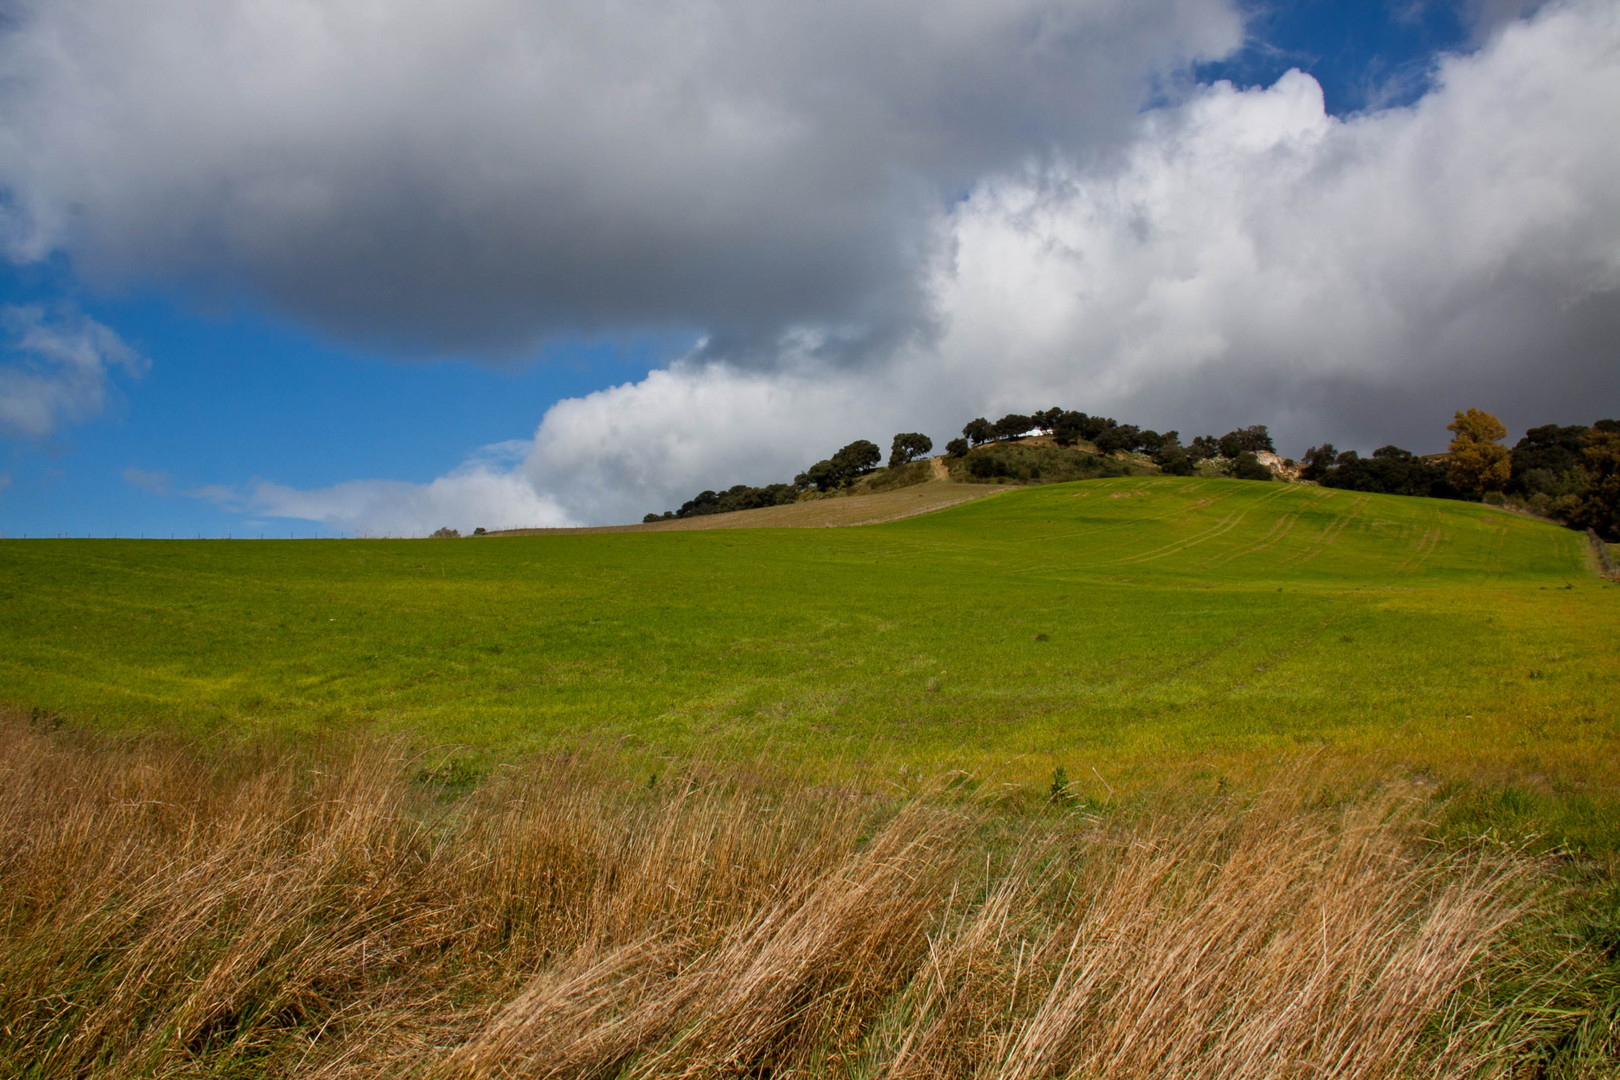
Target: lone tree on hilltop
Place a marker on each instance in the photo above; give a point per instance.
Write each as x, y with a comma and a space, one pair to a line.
978, 430
957, 448
1478, 461
908, 446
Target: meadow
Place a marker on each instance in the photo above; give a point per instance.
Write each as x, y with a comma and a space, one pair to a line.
1116, 628
1128, 777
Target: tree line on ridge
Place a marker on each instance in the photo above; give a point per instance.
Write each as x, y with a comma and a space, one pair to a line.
1570, 473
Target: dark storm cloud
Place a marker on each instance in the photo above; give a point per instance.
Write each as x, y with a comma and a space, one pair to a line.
474, 177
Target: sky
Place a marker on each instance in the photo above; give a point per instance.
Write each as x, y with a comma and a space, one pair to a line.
346, 267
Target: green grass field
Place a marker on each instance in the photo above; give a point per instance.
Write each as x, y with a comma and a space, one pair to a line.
1345, 797
1118, 628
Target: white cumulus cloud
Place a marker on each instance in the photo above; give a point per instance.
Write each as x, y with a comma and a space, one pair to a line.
1245, 257
1251, 259
479, 493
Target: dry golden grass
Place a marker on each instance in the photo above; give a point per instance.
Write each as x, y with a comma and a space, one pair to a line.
319, 914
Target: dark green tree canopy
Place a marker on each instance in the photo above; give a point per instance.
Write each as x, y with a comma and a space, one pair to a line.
978, 430
1117, 437
1068, 427
909, 446
1548, 460
1172, 457
824, 475
858, 458
1013, 425
1317, 460
1246, 466
1253, 439
1390, 471
1599, 506
1047, 420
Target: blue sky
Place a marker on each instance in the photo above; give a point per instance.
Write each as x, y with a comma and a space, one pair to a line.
289, 342
234, 396
1366, 54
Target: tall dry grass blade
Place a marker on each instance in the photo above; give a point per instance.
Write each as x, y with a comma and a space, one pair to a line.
316, 915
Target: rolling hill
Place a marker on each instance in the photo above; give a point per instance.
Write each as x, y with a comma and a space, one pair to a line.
1125, 626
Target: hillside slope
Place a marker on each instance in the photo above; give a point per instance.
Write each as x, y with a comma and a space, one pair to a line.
1233, 533
811, 514
1130, 626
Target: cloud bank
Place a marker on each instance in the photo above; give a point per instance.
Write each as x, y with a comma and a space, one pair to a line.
1245, 258
56, 368
478, 176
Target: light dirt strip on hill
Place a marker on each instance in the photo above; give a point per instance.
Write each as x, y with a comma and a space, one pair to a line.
811, 514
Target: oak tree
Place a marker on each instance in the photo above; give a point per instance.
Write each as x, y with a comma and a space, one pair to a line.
1478, 462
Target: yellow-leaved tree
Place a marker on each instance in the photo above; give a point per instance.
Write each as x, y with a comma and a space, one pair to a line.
1478, 462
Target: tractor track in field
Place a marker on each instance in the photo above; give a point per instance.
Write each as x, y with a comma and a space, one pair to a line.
1425, 547
1329, 534
1278, 533
1221, 528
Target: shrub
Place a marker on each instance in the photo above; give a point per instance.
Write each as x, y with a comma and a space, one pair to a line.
1173, 459
1020, 461
987, 465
